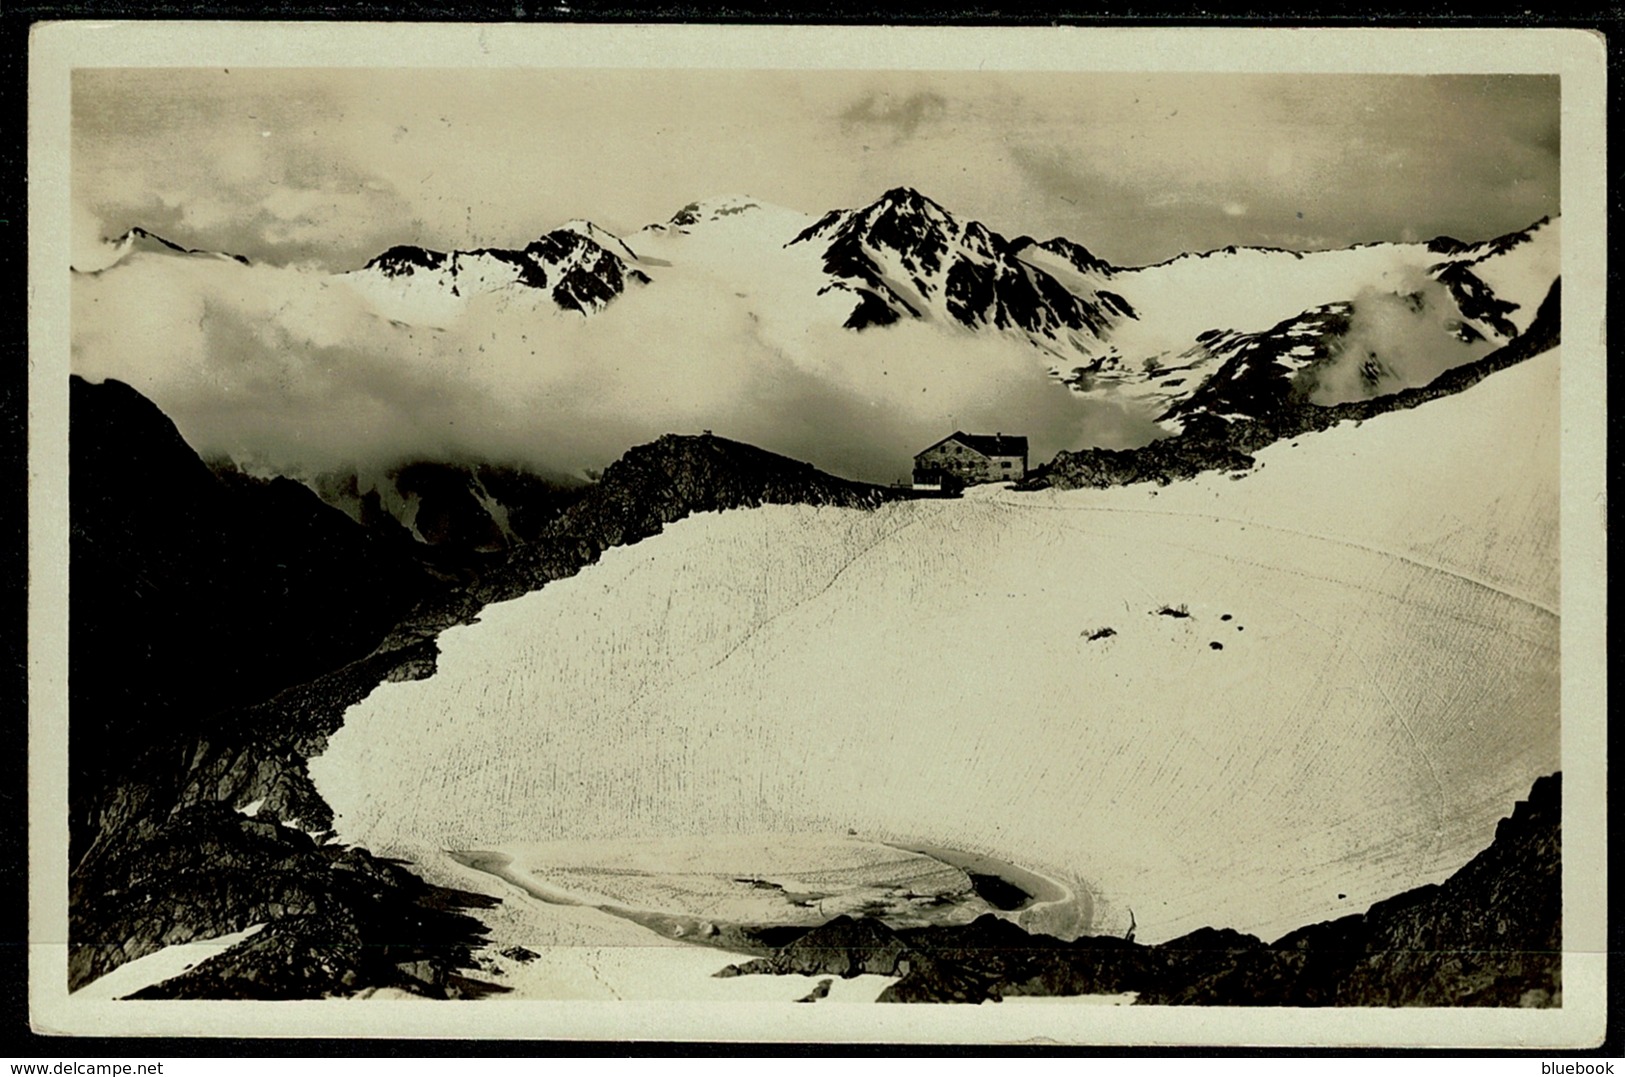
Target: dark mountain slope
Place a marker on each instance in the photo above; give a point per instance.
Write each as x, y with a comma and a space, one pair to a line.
192, 595
221, 628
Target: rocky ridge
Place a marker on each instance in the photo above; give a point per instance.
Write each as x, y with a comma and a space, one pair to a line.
567, 264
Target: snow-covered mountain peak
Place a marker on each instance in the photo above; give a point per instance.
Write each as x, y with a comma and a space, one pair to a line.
601, 236
735, 240
902, 220
138, 240
405, 259
568, 265
906, 203
715, 209
1213, 336
910, 198
1335, 324
560, 243
1456, 250
1494, 281
905, 255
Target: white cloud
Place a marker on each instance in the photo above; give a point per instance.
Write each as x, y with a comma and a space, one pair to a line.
291, 371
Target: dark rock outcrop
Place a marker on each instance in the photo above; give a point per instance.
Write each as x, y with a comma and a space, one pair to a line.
403, 259
1476, 299
337, 918
820, 991
1250, 381
842, 947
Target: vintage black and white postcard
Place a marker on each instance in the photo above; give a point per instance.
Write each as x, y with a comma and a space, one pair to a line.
832, 534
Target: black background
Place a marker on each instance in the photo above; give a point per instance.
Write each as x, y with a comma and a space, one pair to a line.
16, 1039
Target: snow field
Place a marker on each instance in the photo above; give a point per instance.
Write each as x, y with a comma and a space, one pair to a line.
1385, 686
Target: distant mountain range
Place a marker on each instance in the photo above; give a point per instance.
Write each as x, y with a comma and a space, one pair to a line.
1222, 333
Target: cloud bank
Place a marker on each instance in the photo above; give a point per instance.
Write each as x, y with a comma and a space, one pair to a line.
1398, 338
289, 371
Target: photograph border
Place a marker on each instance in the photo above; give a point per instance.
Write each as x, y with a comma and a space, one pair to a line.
1577, 56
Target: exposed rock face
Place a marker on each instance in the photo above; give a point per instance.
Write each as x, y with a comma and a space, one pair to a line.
1490, 935
1076, 255
819, 991
1254, 377
203, 607
403, 259
842, 947
177, 857
1476, 299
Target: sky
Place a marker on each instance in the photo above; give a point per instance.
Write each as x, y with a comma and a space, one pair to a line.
330, 166
308, 172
